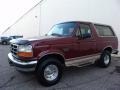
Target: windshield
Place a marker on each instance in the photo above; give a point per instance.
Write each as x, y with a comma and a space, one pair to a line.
64, 29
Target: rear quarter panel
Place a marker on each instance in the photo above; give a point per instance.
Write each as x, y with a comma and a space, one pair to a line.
104, 42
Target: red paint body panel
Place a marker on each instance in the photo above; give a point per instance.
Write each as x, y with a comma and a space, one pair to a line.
72, 46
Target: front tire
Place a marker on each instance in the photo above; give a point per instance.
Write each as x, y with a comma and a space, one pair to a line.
105, 59
4, 43
49, 72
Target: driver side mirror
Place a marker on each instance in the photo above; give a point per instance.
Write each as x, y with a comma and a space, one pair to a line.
78, 36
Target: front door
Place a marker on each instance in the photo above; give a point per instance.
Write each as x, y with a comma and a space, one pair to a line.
87, 43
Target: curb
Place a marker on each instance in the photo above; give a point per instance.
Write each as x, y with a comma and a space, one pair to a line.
118, 56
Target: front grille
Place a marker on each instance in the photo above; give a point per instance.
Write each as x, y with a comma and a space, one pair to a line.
14, 49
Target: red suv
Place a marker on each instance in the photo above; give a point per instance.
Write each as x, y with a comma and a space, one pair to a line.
67, 44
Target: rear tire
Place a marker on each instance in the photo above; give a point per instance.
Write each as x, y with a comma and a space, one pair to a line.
105, 59
49, 72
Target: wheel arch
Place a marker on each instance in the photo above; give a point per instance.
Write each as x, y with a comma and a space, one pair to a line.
51, 55
108, 48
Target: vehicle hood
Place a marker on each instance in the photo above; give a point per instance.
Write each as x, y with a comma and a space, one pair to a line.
41, 38
35, 40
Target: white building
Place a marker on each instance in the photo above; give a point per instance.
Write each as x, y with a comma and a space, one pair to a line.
39, 20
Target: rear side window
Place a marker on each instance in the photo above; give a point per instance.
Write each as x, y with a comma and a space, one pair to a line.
104, 30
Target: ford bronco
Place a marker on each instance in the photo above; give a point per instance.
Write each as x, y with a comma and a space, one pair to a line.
67, 44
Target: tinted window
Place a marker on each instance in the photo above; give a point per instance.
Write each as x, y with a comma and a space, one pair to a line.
104, 30
15, 37
4, 37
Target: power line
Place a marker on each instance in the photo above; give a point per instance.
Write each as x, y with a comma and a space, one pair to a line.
22, 16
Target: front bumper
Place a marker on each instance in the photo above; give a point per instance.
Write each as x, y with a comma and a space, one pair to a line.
20, 65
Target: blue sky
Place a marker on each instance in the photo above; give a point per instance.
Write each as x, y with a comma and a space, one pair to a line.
11, 10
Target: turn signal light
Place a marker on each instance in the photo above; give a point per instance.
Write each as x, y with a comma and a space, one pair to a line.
25, 54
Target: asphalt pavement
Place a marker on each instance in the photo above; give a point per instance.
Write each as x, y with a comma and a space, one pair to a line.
86, 78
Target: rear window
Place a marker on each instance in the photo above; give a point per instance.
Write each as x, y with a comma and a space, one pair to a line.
104, 30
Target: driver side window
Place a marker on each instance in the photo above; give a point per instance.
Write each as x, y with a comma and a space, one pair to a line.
85, 30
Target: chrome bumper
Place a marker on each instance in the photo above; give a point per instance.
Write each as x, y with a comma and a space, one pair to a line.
20, 65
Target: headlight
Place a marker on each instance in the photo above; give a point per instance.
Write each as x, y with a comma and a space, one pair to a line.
25, 48
25, 51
